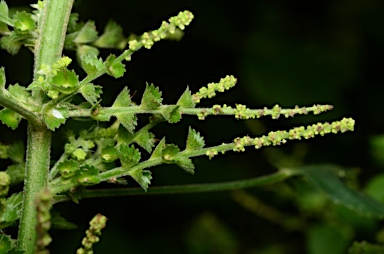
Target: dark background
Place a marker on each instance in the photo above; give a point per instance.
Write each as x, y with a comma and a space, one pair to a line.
287, 52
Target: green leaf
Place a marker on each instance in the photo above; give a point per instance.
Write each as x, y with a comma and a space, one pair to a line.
68, 168
4, 13
327, 239
169, 152
2, 78
65, 81
91, 92
374, 187
75, 194
151, 97
9, 44
84, 50
158, 152
24, 22
12, 210
16, 172
72, 23
186, 100
19, 92
142, 177
5, 243
10, 118
87, 33
145, 139
128, 120
87, 175
112, 37
54, 117
171, 114
325, 178
114, 67
60, 222
186, 164
91, 64
194, 140
16, 152
109, 154
129, 155
366, 248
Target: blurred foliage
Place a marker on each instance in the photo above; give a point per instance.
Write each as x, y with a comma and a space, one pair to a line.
286, 52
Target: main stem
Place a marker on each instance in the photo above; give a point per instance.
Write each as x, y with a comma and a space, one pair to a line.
48, 49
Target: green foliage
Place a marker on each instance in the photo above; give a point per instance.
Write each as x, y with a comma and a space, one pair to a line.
124, 144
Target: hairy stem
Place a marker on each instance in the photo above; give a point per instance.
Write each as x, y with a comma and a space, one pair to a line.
49, 46
279, 176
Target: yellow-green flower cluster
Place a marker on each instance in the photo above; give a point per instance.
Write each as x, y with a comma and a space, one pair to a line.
166, 29
92, 234
280, 137
210, 91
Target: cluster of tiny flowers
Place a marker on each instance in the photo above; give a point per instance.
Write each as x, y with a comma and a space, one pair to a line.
280, 137
92, 234
147, 40
210, 91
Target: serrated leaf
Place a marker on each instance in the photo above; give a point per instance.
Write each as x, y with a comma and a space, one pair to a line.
72, 22
65, 81
186, 101
325, 178
158, 152
169, 152
60, 222
87, 175
54, 117
23, 22
114, 67
112, 37
12, 210
171, 114
366, 248
91, 64
87, 33
129, 155
109, 154
68, 168
91, 92
4, 13
83, 50
142, 177
145, 139
10, 118
9, 44
151, 97
2, 78
19, 92
128, 120
186, 164
194, 140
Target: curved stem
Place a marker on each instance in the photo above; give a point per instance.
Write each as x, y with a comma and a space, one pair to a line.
191, 188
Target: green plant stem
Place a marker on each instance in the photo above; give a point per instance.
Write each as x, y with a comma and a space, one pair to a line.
8, 101
36, 169
279, 176
197, 111
48, 49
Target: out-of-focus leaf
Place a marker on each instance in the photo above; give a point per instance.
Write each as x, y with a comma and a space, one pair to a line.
325, 177
366, 248
324, 239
